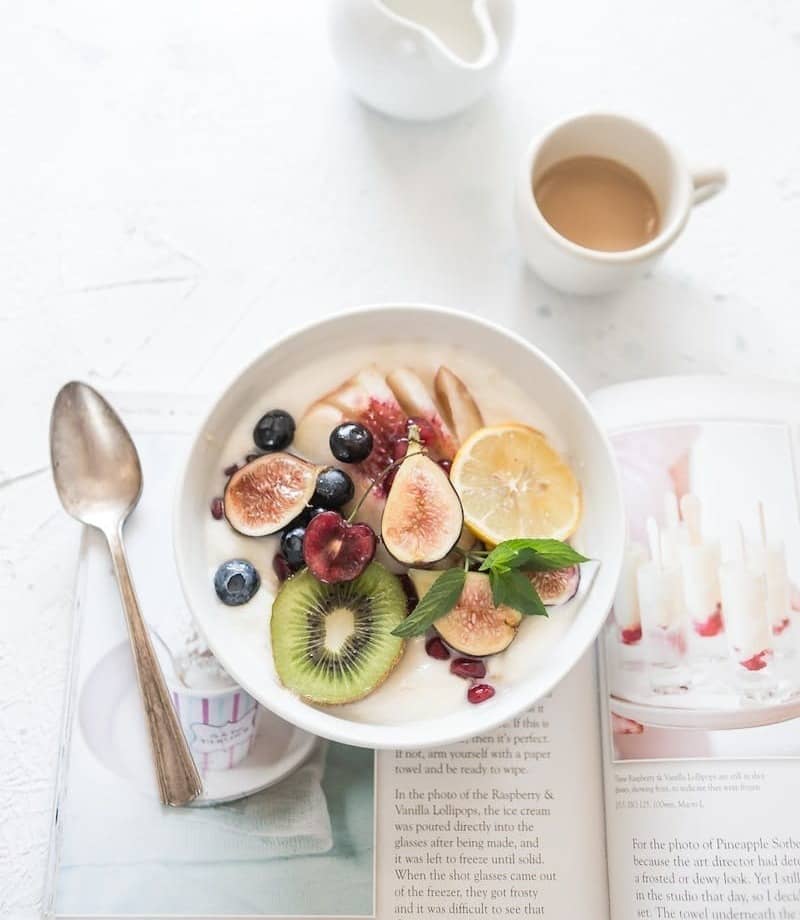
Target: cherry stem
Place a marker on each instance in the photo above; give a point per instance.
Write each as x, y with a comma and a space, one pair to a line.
381, 476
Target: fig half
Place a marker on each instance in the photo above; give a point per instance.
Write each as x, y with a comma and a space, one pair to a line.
267, 493
422, 518
474, 627
556, 586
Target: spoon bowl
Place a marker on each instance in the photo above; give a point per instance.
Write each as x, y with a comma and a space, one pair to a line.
96, 468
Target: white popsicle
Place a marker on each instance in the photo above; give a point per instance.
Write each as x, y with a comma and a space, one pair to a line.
699, 562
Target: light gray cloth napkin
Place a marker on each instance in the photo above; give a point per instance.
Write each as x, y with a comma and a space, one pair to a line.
288, 819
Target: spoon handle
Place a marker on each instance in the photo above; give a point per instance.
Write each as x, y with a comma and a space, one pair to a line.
178, 779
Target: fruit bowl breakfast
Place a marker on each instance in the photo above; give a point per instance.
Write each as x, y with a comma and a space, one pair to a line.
399, 542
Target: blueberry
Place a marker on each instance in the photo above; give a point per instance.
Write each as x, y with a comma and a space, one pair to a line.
236, 581
292, 547
274, 430
334, 488
351, 442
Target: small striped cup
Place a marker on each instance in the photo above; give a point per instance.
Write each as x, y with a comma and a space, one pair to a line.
220, 725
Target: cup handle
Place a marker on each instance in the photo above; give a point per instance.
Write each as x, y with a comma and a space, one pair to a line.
706, 183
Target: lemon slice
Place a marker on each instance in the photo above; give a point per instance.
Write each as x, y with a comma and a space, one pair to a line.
513, 483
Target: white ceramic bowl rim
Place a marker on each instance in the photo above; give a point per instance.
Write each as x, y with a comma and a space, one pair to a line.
438, 731
667, 235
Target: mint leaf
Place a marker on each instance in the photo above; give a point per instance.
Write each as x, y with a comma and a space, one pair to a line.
531, 555
440, 599
513, 589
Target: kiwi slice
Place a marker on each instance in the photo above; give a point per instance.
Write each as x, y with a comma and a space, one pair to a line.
333, 643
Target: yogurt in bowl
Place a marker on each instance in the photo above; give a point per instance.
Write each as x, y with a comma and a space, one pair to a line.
435, 676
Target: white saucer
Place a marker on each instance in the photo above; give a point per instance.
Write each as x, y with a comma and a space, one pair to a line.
111, 722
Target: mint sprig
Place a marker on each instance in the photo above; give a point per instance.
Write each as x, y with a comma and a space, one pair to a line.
531, 556
506, 566
440, 599
514, 589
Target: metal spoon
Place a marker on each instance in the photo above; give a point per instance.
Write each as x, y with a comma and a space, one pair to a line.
99, 480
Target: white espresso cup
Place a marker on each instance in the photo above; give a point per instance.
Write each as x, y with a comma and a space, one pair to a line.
576, 269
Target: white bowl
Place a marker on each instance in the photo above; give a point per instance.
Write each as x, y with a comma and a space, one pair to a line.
235, 636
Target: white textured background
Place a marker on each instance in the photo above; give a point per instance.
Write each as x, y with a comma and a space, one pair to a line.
182, 181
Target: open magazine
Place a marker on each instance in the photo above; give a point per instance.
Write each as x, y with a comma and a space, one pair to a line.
659, 780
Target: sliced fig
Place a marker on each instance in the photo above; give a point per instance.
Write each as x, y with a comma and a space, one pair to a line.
458, 406
422, 518
265, 494
413, 396
557, 586
474, 627
466, 542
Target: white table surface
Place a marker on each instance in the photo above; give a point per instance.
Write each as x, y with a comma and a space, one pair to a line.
180, 182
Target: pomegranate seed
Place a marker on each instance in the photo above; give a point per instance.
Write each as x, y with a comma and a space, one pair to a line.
479, 693
427, 433
437, 649
230, 470
446, 465
217, 509
281, 567
468, 667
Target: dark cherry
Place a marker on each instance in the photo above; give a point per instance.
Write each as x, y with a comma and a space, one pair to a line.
336, 550
437, 649
334, 488
479, 693
471, 668
399, 448
351, 442
281, 567
274, 430
292, 547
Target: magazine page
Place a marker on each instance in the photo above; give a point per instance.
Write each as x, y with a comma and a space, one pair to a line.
500, 826
504, 825
701, 656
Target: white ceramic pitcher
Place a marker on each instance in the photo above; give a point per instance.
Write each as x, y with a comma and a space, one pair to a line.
420, 59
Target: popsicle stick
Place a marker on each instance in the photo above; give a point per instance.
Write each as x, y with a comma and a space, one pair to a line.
691, 511
671, 514
762, 523
654, 539
739, 552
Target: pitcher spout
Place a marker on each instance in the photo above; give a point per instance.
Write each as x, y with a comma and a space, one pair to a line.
460, 30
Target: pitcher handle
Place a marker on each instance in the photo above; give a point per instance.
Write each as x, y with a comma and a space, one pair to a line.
706, 183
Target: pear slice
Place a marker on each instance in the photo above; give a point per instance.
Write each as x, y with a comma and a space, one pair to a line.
458, 406
422, 518
417, 403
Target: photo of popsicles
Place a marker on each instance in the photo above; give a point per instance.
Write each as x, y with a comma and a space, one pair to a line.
705, 627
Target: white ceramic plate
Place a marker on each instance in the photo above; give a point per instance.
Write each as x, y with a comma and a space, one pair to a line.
241, 642
112, 724
706, 719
